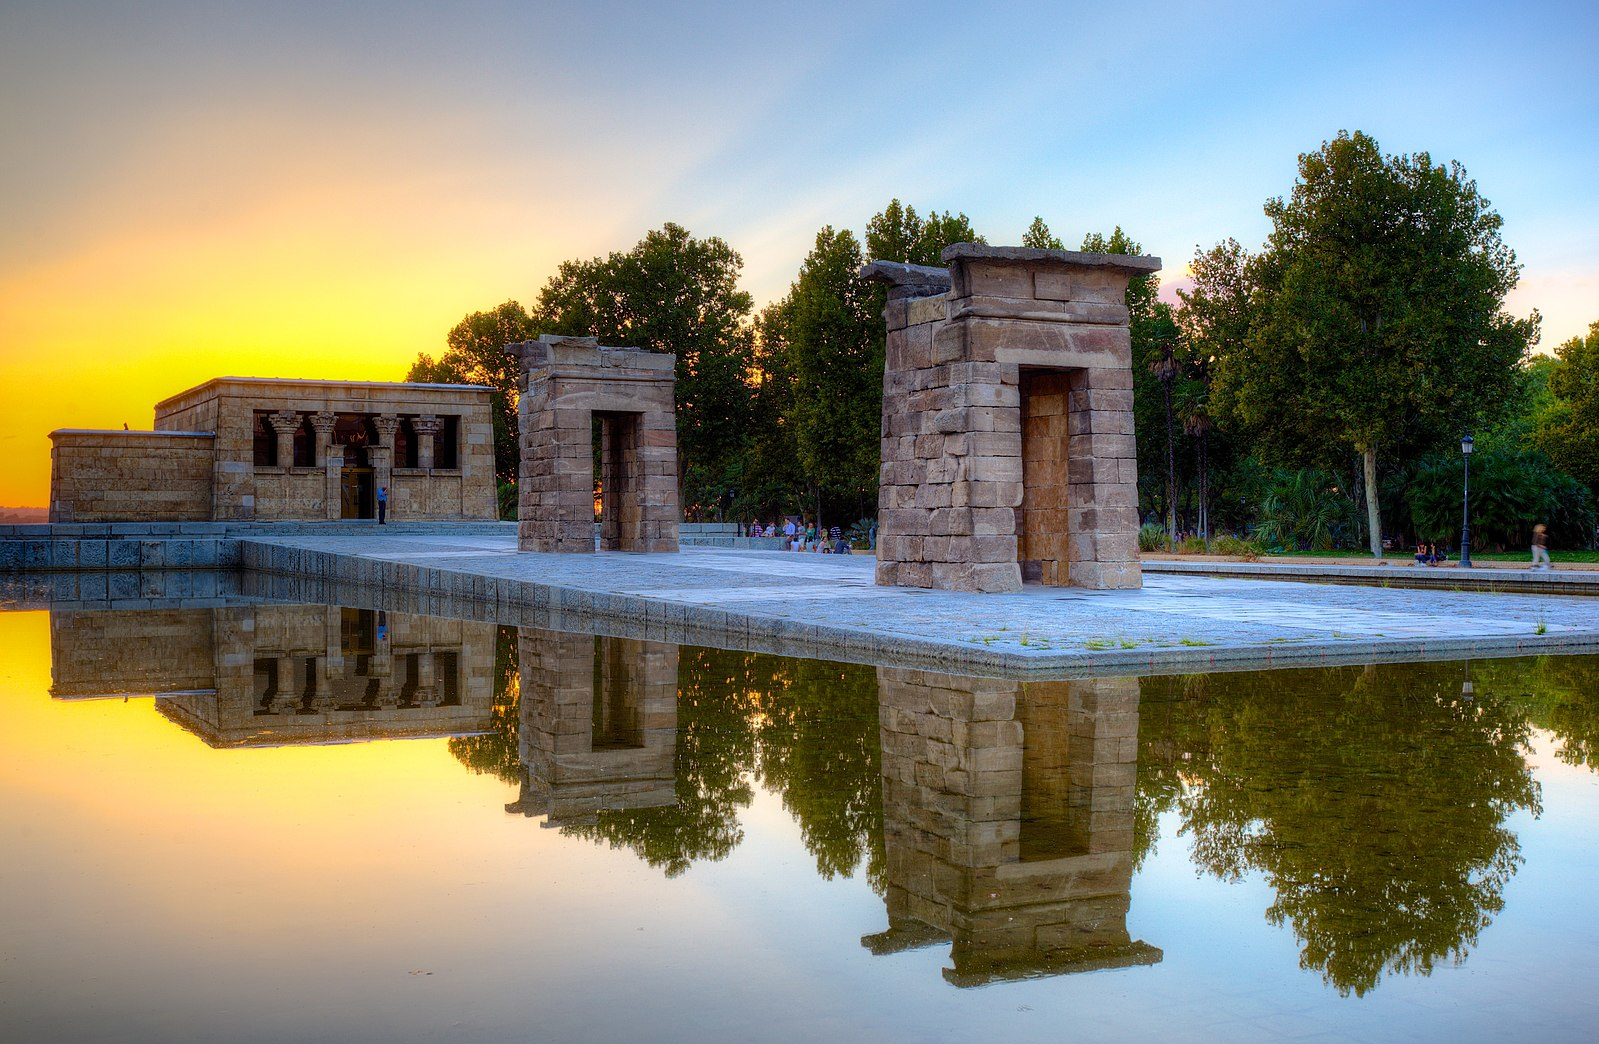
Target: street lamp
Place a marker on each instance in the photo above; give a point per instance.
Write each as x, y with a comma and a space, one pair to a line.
1465, 505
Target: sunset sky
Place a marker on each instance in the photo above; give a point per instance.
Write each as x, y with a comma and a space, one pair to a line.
323, 189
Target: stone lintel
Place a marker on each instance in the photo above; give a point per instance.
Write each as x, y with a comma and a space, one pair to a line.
1131, 264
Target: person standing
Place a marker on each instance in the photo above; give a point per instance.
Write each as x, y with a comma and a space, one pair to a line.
383, 503
1540, 547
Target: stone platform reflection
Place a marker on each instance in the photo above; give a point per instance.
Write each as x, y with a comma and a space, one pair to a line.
1008, 822
271, 675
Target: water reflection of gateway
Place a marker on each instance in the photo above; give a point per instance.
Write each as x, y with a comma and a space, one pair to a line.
598, 727
1008, 822
273, 675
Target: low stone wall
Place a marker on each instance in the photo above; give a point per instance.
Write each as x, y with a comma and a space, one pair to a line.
110, 476
726, 534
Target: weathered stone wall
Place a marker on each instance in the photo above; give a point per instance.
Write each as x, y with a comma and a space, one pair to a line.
245, 490
599, 724
567, 384
1008, 817
110, 476
1020, 371
121, 652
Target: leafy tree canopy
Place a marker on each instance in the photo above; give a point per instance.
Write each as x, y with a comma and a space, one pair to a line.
671, 293
1381, 321
475, 354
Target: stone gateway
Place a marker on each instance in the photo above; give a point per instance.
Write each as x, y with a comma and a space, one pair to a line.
1008, 449
580, 401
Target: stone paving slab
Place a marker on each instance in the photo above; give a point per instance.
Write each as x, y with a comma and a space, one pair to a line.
828, 605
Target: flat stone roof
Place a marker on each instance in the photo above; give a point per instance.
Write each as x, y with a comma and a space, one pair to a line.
294, 382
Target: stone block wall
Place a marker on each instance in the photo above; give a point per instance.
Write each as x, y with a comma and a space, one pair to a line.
599, 724
1007, 421
569, 383
1008, 818
244, 490
122, 653
110, 476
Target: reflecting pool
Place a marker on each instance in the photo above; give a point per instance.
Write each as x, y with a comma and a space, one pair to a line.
269, 821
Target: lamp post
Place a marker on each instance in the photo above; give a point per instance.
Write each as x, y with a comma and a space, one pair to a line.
1465, 505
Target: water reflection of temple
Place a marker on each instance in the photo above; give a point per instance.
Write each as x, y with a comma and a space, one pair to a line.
598, 725
1008, 822
270, 675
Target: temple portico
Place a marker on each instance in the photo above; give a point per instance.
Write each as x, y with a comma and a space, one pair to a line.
247, 449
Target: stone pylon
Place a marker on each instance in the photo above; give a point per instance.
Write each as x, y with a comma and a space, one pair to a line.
1008, 449
580, 402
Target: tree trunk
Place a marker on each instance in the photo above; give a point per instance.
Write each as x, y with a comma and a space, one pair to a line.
1171, 471
1204, 489
1373, 515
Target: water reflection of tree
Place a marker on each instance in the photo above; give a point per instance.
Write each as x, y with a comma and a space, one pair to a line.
806, 729
497, 753
821, 750
715, 752
1561, 694
1373, 800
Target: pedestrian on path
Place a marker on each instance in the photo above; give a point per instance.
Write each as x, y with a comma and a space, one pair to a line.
1540, 547
383, 503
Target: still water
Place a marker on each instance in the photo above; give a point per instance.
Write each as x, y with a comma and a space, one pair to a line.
271, 822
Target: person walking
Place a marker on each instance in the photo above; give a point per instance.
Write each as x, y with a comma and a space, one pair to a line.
1540, 547
383, 503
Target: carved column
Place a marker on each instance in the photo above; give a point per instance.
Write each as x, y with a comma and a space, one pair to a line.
331, 462
426, 427
427, 690
383, 453
284, 424
290, 671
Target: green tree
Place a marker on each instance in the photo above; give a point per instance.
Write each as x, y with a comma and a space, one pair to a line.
1039, 237
896, 233
1155, 347
835, 344
1214, 317
475, 354
672, 293
1569, 430
1381, 321
1512, 489
770, 478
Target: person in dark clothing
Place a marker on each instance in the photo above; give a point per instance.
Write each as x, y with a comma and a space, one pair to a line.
383, 503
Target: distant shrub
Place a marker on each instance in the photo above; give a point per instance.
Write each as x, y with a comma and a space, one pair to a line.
1237, 547
1153, 537
507, 501
1192, 546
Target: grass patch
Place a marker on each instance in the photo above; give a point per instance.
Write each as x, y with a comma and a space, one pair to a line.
1193, 641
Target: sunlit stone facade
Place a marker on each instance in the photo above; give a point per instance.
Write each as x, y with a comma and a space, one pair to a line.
273, 675
1008, 450
583, 401
249, 449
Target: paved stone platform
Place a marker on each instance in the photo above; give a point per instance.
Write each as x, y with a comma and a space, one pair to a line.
824, 605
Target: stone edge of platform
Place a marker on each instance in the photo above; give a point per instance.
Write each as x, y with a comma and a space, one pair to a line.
436, 590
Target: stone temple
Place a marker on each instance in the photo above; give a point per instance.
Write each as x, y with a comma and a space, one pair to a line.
1008, 450
257, 449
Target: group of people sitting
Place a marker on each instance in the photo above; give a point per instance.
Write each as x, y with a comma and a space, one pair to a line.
1430, 554
808, 538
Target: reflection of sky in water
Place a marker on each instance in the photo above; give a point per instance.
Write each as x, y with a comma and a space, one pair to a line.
155, 887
